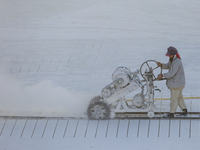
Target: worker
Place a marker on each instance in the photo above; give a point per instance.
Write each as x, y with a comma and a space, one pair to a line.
175, 81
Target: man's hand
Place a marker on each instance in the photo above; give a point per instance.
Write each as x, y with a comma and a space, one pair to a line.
159, 64
159, 77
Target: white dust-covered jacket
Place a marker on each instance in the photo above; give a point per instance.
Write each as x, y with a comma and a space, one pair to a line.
175, 76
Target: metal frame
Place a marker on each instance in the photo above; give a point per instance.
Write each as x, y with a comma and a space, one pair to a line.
135, 82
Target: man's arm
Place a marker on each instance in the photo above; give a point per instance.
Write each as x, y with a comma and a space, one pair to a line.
172, 72
162, 65
165, 66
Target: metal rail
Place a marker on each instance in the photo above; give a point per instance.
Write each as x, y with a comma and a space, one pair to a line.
127, 115
158, 115
160, 118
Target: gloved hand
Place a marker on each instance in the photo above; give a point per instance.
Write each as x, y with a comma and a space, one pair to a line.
159, 77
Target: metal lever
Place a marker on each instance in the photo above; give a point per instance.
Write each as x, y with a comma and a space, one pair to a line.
157, 90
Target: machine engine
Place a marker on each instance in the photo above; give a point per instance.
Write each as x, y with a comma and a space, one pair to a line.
122, 77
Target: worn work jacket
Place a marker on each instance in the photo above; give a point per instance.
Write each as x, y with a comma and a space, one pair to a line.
175, 76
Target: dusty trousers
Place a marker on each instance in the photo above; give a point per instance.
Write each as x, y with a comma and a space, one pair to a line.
177, 99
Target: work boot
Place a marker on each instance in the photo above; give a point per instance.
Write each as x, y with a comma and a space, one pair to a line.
169, 115
184, 111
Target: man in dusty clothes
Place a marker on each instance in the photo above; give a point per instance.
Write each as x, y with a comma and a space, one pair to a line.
175, 80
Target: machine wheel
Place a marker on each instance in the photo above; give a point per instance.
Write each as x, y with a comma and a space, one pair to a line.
150, 64
98, 109
112, 114
138, 100
150, 114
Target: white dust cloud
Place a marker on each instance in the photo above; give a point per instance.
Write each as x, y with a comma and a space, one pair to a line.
40, 100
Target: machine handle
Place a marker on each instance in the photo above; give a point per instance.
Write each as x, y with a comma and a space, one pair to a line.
155, 80
160, 79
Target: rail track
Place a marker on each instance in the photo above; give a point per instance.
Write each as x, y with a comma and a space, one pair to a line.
121, 116
158, 115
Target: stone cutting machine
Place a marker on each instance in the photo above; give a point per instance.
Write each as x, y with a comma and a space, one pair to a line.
113, 100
